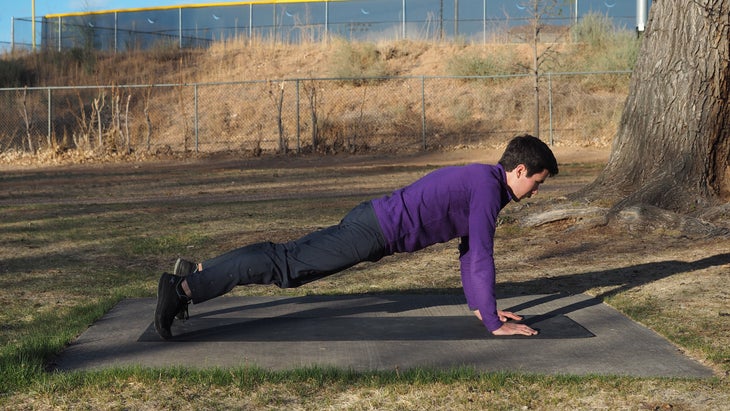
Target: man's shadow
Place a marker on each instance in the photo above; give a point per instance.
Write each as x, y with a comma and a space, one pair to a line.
333, 315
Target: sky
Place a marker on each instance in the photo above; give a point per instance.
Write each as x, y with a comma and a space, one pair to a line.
23, 9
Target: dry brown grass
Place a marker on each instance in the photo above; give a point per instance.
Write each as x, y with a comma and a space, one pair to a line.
241, 117
55, 259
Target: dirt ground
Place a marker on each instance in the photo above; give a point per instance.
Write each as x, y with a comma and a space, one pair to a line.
678, 283
50, 183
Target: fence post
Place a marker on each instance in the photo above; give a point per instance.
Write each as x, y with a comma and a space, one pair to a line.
179, 28
326, 21
60, 33
250, 21
195, 114
404, 19
423, 111
116, 31
550, 105
456, 19
484, 22
50, 117
297, 108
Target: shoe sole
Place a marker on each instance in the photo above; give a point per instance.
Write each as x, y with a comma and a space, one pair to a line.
166, 334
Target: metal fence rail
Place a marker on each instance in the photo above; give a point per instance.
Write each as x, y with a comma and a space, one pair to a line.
326, 115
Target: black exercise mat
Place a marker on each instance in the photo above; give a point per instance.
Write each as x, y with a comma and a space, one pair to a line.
297, 328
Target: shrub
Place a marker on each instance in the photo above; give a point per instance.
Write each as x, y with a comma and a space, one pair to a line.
602, 46
594, 29
619, 54
501, 61
357, 61
13, 73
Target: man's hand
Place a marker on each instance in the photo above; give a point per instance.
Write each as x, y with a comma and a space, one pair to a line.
505, 316
509, 328
512, 328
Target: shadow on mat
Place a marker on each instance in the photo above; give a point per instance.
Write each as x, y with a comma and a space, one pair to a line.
337, 324
298, 328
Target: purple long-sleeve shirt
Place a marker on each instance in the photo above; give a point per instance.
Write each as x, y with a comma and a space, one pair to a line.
448, 203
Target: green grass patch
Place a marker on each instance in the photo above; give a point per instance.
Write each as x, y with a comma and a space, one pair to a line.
24, 362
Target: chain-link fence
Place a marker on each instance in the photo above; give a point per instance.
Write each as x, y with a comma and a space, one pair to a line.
295, 21
312, 115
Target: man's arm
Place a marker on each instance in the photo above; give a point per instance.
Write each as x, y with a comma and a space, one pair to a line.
477, 260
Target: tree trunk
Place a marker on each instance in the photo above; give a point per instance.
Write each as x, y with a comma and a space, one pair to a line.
672, 148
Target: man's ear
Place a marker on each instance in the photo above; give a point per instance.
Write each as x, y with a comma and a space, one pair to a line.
520, 170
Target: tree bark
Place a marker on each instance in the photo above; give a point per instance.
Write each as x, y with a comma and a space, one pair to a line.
672, 148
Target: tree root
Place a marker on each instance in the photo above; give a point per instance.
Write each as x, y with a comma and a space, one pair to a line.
637, 219
584, 215
643, 217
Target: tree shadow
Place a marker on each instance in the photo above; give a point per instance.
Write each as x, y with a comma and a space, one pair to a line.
553, 288
619, 279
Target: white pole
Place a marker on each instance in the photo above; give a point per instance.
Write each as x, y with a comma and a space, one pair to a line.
116, 31
180, 28
32, 23
456, 19
404, 19
484, 22
640, 15
326, 20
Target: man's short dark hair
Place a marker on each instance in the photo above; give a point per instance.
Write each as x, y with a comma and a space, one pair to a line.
530, 151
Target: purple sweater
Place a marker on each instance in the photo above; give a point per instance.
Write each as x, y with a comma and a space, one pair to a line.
445, 204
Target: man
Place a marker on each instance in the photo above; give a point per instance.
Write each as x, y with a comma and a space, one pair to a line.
459, 201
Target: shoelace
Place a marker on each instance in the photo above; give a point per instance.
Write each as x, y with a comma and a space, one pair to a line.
181, 295
184, 311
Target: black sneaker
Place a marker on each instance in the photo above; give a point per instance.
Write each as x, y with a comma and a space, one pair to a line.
184, 267
170, 301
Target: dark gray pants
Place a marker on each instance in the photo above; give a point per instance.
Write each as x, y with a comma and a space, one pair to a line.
356, 238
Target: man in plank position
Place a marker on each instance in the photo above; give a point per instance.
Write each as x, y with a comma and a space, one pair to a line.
451, 202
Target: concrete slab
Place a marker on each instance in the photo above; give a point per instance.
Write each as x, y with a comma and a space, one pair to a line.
578, 335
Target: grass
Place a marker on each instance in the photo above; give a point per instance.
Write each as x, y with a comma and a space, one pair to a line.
500, 61
357, 60
65, 263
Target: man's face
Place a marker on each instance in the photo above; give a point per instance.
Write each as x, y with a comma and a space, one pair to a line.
524, 186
